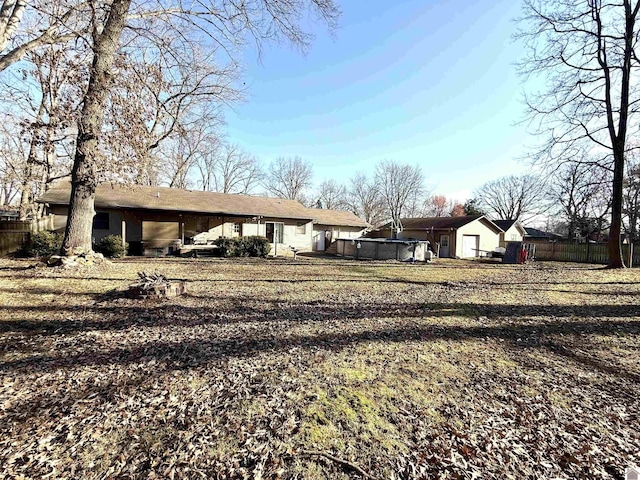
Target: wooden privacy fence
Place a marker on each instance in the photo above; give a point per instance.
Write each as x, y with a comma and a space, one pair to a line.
14, 233
582, 252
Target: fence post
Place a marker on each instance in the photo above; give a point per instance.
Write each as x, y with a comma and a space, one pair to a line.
588, 248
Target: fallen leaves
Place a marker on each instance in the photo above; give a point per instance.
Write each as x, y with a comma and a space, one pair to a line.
451, 370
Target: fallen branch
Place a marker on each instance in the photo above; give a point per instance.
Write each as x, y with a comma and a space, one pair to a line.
339, 461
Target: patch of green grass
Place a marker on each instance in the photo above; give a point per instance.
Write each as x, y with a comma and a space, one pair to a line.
335, 414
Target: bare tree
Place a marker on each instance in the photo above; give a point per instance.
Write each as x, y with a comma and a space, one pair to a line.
152, 108
77, 237
232, 170
40, 120
581, 196
26, 26
12, 159
223, 29
11, 12
512, 197
364, 199
586, 54
289, 178
207, 162
631, 198
401, 187
332, 195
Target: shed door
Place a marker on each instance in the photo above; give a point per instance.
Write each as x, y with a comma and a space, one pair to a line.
470, 245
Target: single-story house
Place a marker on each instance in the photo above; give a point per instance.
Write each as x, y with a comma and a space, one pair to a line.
457, 237
157, 219
534, 234
329, 225
513, 231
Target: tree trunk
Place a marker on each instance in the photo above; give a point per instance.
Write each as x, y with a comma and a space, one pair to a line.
77, 237
614, 247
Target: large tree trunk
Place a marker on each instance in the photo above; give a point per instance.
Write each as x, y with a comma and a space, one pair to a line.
77, 237
11, 13
614, 246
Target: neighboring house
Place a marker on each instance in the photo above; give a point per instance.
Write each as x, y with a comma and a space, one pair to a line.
513, 231
533, 235
9, 215
157, 219
329, 225
458, 237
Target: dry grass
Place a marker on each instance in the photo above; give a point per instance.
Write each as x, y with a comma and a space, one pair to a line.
450, 370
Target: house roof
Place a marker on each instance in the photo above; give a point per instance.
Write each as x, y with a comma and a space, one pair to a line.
177, 200
8, 213
345, 218
536, 233
438, 223
507, 224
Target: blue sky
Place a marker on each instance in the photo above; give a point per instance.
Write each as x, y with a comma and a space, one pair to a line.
430, 83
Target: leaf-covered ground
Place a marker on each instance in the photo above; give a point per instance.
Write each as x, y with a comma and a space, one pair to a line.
320, 369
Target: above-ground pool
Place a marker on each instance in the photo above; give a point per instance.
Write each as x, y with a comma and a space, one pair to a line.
383, 249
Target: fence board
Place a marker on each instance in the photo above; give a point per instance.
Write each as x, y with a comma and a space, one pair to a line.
39, 225
14, 233
10, 241
581, 252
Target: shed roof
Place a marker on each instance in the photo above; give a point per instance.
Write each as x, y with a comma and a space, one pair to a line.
504, 224
174, 199
324, 216
507, 224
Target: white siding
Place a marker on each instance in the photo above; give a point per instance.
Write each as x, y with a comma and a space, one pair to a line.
334, 232
489, 240
511, 235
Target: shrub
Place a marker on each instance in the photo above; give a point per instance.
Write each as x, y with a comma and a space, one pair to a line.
111, 246
42, 244
226, 247
256, 246
253, 246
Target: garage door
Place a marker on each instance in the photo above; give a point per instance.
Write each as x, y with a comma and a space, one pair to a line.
160, 234
470, 245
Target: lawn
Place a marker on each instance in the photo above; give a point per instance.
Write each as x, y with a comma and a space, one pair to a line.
320, 369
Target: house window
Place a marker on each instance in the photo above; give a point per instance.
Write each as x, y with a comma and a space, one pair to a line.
101, 221
301, 228
514, 236
236, 228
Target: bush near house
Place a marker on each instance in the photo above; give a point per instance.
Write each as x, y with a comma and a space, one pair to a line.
112, 246
42, 244
252, 246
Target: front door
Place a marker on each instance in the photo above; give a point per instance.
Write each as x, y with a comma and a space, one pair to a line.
444, 246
